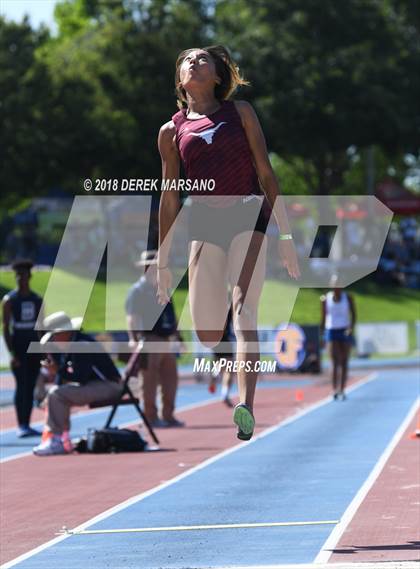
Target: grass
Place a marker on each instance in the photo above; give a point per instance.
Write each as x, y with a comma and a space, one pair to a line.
71, 292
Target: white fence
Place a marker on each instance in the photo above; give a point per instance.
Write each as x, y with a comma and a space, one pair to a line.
382, 338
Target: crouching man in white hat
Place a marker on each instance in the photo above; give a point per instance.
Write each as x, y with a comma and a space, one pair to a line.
81, 376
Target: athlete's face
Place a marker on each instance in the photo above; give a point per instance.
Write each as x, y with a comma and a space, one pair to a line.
22, 277
198, 67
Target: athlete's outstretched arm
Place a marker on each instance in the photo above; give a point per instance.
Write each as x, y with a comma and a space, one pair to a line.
169, 206
268, 180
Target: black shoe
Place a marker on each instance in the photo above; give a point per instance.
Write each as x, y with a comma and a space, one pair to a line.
171, 423
158, 424
26, 432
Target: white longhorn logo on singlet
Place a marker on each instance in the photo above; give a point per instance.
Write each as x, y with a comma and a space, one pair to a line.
208, 134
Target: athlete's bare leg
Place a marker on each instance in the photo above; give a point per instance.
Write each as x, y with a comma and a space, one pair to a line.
227, 380
247, 260
345, 353
208, 291
335, 365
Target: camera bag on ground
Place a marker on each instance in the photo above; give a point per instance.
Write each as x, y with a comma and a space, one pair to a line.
112, 440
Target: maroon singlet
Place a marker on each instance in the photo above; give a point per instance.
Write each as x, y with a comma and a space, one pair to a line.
216, 147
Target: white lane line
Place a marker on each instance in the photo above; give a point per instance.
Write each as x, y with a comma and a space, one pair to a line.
335, 536
353, 565
17, 456
199, 528
140, 497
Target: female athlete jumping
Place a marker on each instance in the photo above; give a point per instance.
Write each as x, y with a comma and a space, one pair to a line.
220, 139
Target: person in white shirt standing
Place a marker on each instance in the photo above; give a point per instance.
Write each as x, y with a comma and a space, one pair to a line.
338, 318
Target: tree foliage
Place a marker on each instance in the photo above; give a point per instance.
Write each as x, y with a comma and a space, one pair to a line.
329, 79
329, 75
23, 86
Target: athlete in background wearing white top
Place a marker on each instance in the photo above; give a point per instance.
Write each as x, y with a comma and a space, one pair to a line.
338, 317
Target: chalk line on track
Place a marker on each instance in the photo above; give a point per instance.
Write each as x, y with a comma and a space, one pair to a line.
199, 528
349, 565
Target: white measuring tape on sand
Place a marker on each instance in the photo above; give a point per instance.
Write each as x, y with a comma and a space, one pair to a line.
66, 531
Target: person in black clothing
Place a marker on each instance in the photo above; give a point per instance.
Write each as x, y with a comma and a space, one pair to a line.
21, 308
80, 379
147, 321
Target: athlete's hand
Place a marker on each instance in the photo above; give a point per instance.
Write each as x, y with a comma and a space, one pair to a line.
14, 362
164, 282
289, 258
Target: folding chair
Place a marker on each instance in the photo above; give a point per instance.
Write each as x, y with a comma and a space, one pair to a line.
126, 396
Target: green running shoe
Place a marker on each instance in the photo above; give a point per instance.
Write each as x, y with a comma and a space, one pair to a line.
244, 419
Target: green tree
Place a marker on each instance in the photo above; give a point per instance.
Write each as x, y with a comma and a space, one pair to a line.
23, 85
329, 75
88, 101
123, 52
328, 80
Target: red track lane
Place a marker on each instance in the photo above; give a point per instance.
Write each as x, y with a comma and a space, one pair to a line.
386, 525
40, 495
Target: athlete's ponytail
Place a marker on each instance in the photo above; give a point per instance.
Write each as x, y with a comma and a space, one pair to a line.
226, 69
